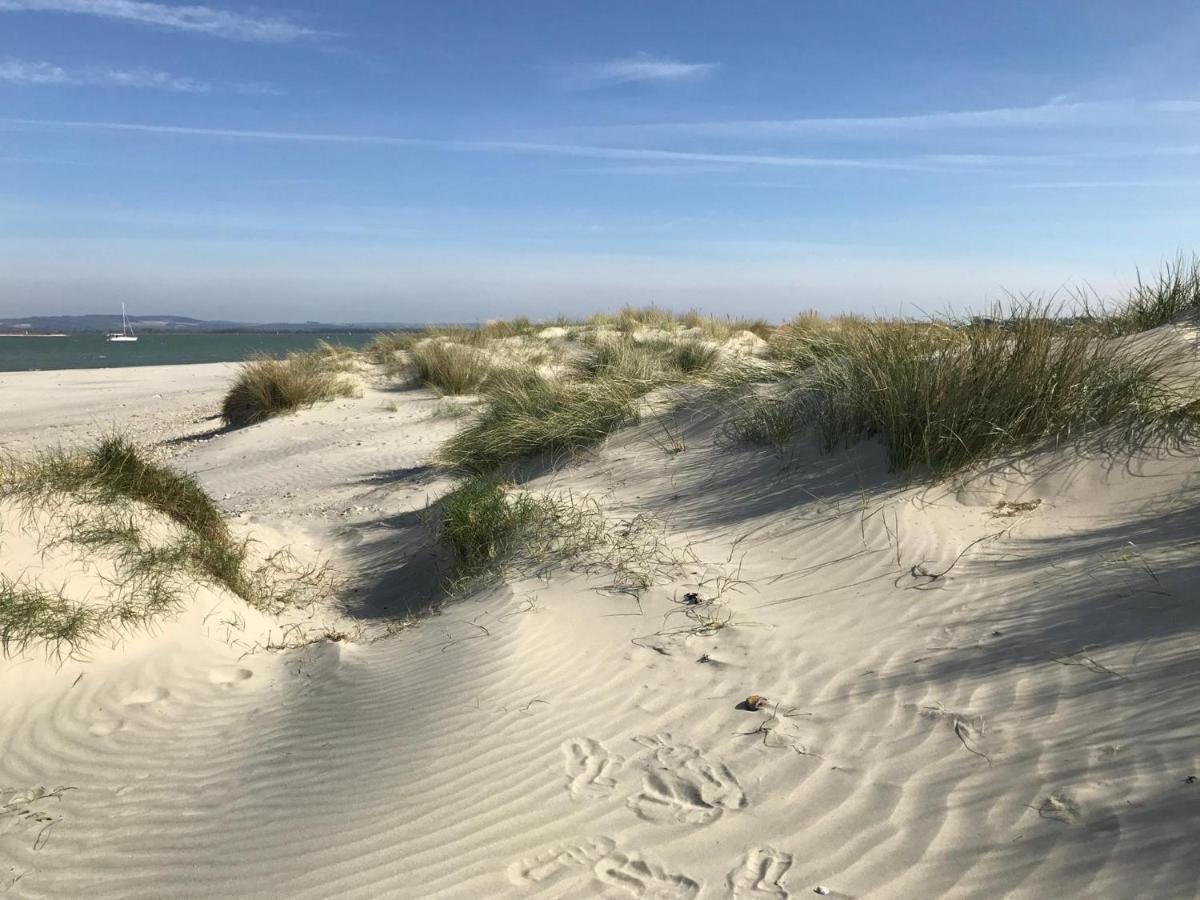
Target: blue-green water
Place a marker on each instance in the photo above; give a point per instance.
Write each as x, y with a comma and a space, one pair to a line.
88, 351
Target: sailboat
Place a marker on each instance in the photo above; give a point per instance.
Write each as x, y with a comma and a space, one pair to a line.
126, 333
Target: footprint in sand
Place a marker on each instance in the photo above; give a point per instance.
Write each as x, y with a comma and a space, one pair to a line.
559, 859
591, 769
229, 677
760, 874
146, 696
681, 785
105, 727
637, 877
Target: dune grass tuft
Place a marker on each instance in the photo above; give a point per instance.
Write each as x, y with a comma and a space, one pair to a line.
764, 422
692, 357
266, 386
29, 614
101, 499
490, 527
1173, 294
114, 469
527, 415
451, 368
623, 359
946, 398
384, 346
482, 527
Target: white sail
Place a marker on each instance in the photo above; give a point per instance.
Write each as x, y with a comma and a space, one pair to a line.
126, 333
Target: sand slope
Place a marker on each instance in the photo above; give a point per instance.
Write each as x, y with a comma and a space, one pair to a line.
1020, 726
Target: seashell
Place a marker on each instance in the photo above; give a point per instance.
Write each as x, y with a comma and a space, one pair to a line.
756, 702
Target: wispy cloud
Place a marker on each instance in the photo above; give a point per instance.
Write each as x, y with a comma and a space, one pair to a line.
1046, 115
15, 71
201, 19
641, 67
941, 162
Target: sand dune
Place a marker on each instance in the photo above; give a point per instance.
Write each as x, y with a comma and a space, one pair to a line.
978, 689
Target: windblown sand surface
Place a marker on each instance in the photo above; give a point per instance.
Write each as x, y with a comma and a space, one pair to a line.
984, 690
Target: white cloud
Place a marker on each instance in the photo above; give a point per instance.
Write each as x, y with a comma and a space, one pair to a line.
15, 71
202, 19
642, 67
1046, 115
941, 162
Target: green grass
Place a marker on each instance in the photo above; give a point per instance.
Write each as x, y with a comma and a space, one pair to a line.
266, 387
483, 528
1173, 294
384, 346
115, 469
946, 398
30, 615
692, 357
488, 527
764, 421
622, 359
103, 499
451, 368
527, 415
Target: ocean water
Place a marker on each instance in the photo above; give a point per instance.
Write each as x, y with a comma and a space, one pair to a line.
88, 351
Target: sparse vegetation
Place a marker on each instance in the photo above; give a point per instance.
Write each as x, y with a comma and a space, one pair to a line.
527, 415
29, 614
692, 357
1171, 295
767, 421
384, 347
267, 387
489, 528
451, 368
946, 398
106, 499
112, 470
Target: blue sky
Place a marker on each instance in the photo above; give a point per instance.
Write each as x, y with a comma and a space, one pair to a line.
464, 159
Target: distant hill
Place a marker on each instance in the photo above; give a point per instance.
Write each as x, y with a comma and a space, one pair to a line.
96, 324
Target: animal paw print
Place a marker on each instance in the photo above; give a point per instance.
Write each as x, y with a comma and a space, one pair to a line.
591, 769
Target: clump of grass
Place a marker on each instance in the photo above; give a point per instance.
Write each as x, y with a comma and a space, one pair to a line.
29, 614
528, 415
1171, 295
482, 527
488, 528
384, 347
623, 359
116, 469
765, 421
266, 386
721, 328
334, 357
807, 339
692, 357
451, 368
506, 328
947, 398
100, 499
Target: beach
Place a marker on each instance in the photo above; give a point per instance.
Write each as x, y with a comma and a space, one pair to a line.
981, 686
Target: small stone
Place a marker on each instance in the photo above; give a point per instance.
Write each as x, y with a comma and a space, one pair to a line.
821, 889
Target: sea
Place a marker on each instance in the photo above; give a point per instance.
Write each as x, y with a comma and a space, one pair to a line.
92, 351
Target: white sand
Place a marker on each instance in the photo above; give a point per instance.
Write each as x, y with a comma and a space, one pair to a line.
1020, 727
